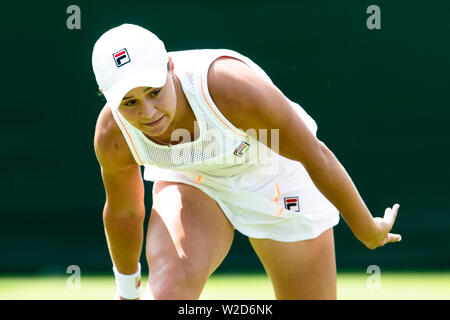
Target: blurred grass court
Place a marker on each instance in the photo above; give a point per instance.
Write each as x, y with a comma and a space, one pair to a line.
351, 286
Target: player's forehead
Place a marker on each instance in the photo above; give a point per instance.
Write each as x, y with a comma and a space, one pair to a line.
136, 91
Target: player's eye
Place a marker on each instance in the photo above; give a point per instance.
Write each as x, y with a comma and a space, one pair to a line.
129, 103
154, 93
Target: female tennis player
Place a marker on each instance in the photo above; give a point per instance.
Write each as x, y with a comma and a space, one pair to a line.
226, 150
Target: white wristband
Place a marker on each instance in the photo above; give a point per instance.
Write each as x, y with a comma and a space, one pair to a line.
129, 286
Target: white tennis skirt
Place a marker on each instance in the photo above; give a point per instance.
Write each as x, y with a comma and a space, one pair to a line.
285, 206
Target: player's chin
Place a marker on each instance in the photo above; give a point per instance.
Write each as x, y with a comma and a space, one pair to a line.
157, 129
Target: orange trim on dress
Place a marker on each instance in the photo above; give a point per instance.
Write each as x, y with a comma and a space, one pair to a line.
275, 199
221, 120
281, 211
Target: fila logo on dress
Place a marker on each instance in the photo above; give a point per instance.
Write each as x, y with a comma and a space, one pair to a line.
241, 149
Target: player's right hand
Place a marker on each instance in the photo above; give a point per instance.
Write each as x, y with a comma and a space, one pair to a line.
381, 235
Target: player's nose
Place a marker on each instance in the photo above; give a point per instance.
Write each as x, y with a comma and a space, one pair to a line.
148, 110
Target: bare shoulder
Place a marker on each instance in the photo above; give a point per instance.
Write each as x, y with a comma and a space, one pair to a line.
111, 149
243, 97
249, 101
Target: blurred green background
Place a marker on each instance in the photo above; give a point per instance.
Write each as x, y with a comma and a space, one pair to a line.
380, 99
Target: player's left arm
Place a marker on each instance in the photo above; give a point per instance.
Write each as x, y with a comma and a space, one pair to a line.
250, 102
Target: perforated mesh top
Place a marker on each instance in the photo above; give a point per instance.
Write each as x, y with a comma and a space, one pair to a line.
215, 141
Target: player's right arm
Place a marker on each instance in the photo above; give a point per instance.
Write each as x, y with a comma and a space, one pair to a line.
124, 210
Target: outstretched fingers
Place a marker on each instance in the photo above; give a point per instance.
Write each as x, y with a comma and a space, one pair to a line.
393, 237
390, 214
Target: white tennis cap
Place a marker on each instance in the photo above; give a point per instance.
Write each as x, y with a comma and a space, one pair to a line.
127, 57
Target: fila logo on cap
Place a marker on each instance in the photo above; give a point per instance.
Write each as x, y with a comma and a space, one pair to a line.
121, 57
243, 147
291, 203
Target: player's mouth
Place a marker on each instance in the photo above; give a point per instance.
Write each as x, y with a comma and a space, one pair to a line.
154, 123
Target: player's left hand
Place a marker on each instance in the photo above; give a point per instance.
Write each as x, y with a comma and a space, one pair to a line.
382, 227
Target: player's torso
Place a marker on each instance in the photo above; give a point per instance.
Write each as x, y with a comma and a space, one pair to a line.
219, 146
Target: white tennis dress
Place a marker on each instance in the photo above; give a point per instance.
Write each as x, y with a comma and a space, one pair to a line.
263, 194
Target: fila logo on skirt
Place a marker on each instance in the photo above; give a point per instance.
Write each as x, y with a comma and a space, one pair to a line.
292, 203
